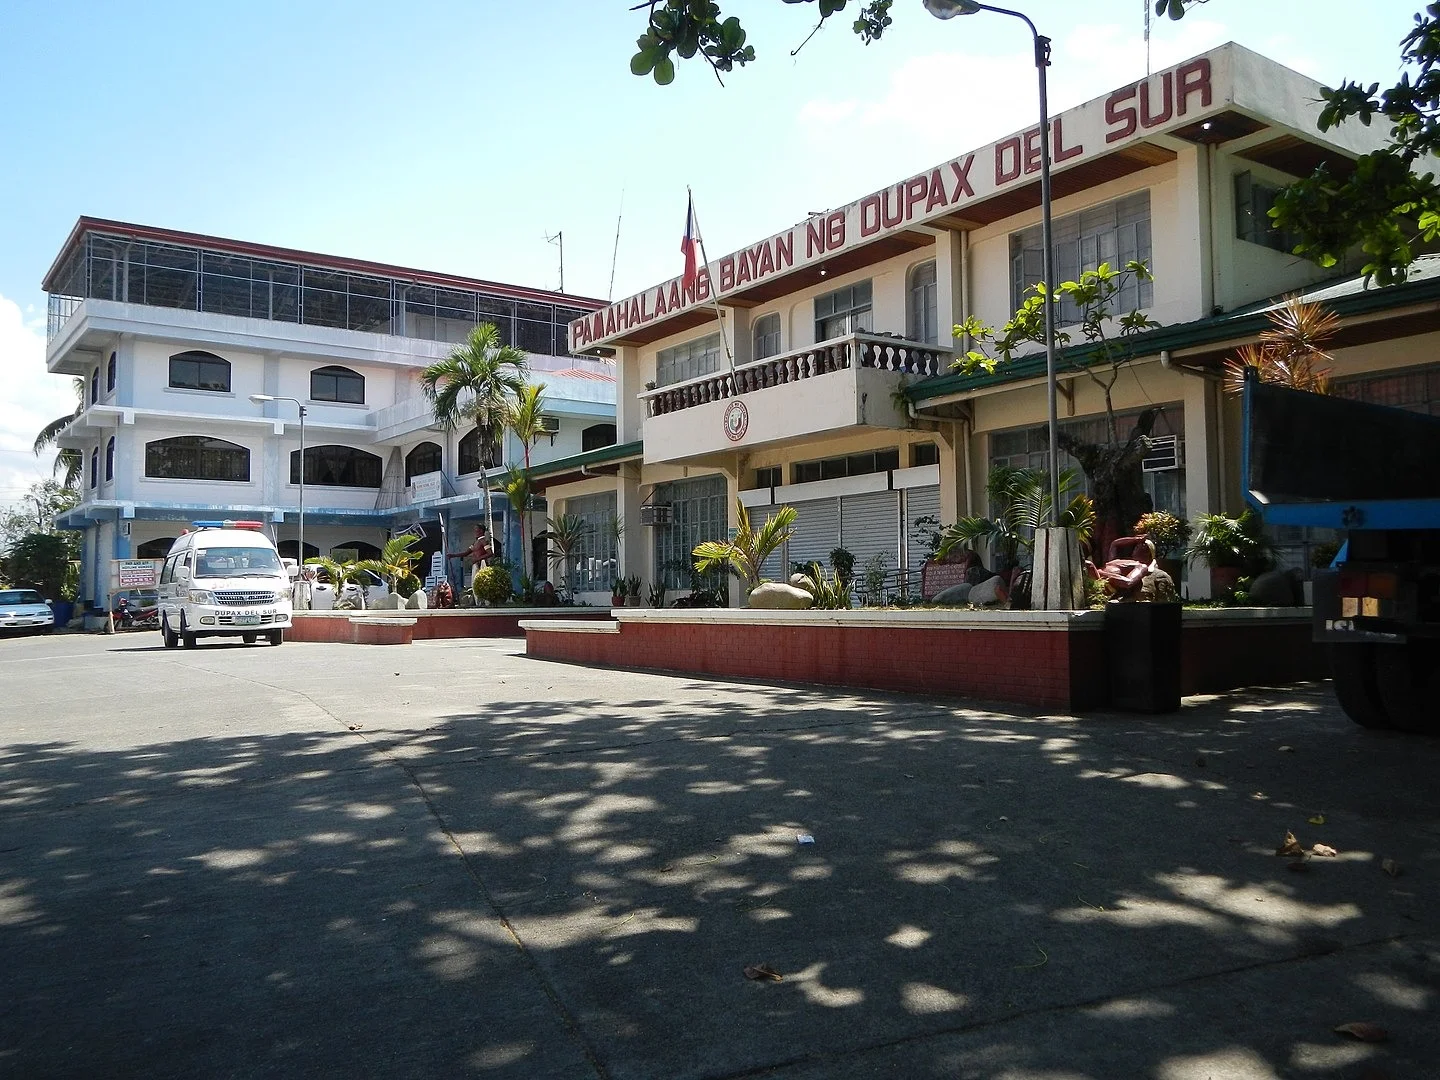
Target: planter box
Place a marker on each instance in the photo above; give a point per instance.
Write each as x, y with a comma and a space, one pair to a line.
1142, 656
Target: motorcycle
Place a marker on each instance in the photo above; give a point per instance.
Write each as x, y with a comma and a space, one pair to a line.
136, 617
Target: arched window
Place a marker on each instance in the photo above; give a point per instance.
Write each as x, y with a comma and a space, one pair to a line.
337, 384
425, 458
596, 436
110, 459
200, 371
361, 549
767, 335
94, 386
923, 293
94, 466
155, 549
336, 466
197, 457
288, 548
110, 374
472, 458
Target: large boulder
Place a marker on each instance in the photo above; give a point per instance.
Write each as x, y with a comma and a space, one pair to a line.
776, 596
954, 596
1276, 588
990, 591
418, 601
388, 602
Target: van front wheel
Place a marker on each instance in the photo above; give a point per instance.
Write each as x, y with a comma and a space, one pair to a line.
187, 636
276, 637
167, 635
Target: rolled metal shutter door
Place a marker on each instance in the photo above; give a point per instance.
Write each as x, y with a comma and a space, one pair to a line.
919, 502
869, 526
816, 532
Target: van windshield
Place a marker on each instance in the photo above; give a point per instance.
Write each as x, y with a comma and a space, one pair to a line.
237, 562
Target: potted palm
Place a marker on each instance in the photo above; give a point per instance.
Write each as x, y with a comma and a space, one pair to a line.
633, 585
617, 592
396, 565
1233, 547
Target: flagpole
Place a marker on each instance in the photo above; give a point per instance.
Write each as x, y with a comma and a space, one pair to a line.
714, 296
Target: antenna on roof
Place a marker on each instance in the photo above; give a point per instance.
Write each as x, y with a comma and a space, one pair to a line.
560, 237
1146, 4
615, 255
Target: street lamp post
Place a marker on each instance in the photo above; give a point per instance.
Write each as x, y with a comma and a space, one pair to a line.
948, 9
260, 399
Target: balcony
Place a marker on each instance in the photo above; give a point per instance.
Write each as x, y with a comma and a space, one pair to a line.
842, 383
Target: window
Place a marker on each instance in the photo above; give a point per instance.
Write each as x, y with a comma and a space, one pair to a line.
1416, 389
771, 477
924, 454
872, 461
1253, 200
1027, 448
688, 361
110, 374
472, 455
200, 371
425, 458
196, 457
1114, 232
923, 320
94, 386
361, 549
158, 548
843, 311
767, 335
699, 511
596, 436
94, 466
336, 466
594, 559
337, 384
110, 460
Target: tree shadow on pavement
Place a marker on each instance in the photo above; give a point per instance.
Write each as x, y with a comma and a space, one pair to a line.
546, 888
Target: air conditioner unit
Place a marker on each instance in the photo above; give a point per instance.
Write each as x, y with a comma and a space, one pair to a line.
550, 425
655, 514
1163, 455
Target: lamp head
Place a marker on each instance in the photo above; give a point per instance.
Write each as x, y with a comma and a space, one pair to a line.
948, 9
260, 399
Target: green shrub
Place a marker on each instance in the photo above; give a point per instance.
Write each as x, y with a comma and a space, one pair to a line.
829, 591
492, 585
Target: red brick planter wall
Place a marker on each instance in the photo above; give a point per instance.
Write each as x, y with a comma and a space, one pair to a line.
315, 626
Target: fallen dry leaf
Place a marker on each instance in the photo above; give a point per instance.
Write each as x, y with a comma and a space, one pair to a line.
1390, 866
1318, 819
765, 973
1290, 847
1324, 850
1364, 1031
1287, 749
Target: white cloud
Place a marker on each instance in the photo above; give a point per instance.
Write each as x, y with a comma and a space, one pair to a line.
30, 398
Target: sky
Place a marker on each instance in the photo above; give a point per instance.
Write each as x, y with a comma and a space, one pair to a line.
456, 137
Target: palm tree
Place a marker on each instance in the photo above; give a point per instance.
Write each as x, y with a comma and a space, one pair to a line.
527, 422
340, 574
517, 490
747, 552
72, 461
396, 564
478, 383
1287, 353
1022, 497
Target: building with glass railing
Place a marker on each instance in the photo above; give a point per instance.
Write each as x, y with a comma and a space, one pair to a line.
171, 334
814, 368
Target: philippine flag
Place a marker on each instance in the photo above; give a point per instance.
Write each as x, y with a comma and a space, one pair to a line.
690, 245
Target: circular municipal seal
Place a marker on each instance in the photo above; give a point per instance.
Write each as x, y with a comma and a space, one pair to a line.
737, 421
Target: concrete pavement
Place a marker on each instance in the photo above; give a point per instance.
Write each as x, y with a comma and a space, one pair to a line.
450, 860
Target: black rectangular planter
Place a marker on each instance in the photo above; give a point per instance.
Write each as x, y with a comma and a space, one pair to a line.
1142, 655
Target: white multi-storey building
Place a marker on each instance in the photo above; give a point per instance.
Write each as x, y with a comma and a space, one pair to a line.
172, 333
842, 401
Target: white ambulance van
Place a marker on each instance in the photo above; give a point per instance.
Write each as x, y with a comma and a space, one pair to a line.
223, 579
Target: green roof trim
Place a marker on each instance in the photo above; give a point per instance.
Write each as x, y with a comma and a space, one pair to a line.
1243, 322
575, 462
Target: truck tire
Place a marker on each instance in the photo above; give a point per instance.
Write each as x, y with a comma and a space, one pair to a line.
167, 635
187, 636
1356, 687
1408, 682
276, 637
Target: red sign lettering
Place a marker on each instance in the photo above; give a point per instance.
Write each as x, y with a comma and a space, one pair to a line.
1005, 171
870, 215
1059, 151
962, 178
1189, 78
1032, 151
727, 273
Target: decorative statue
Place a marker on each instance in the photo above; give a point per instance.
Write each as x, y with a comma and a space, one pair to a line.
1131, 572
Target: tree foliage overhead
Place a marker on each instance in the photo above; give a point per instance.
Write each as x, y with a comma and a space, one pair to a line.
689, 28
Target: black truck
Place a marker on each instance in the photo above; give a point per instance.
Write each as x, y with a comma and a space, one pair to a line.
1372, 472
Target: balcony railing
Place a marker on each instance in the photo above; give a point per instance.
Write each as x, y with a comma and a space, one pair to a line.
863, 350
